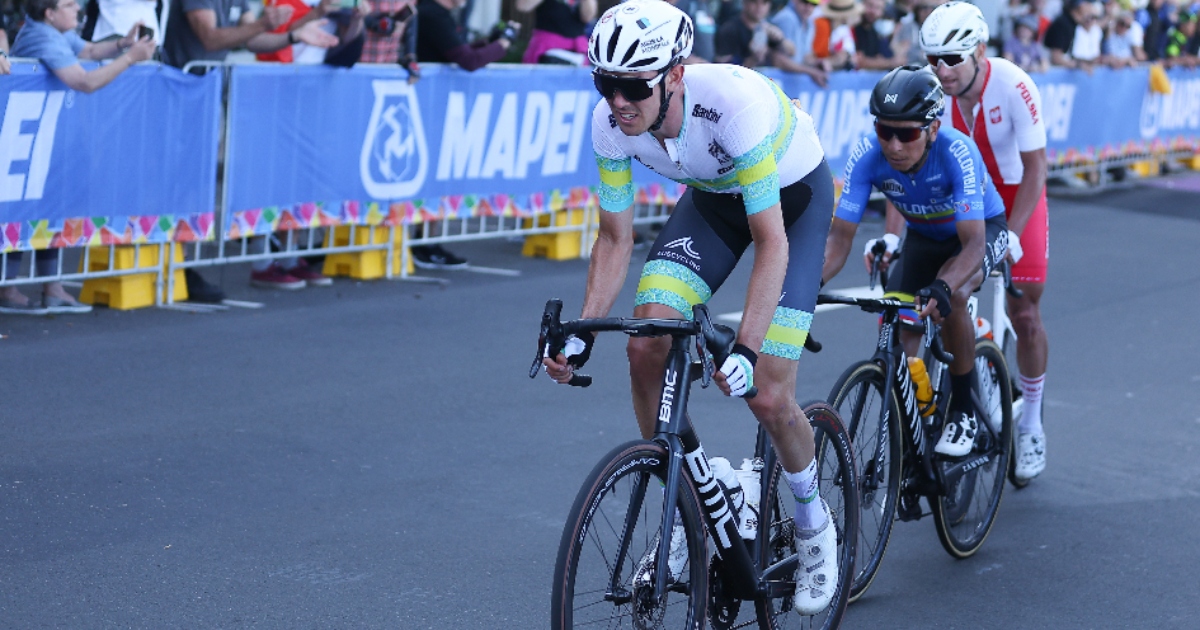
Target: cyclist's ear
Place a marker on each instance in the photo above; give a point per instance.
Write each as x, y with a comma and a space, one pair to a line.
933, 129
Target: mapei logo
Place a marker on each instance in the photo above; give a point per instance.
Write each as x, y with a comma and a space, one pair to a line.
394, 157
685, 244
707, 113
34, 147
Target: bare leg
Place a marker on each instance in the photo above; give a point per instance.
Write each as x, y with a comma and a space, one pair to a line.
1033, 347
647, 359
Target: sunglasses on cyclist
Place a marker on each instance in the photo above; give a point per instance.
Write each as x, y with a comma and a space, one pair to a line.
950, 60
632, 88
903, 134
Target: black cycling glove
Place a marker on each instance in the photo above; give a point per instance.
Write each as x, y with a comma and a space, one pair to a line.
939, 291
578, 348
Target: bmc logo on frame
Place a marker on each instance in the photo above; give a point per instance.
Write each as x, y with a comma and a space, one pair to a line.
33, 147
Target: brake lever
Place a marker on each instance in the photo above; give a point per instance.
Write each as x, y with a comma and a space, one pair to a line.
551, 329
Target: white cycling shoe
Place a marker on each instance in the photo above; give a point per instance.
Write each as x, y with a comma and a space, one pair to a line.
958, 436
817, 573
677, 557
1031, 455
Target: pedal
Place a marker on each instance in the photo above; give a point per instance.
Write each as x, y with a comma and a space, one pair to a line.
909, 507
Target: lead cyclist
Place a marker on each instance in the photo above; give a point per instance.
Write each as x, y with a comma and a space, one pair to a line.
755, 173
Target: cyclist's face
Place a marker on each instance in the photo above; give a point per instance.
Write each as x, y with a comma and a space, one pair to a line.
635, 117
956, 77
901, 152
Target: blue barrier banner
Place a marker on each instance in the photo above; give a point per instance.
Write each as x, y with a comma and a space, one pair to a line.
319, 146
134, 162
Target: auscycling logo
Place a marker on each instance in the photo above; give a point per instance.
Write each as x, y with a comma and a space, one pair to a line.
685, 244
394, 158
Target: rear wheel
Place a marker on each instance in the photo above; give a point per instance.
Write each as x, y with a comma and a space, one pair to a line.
964, 515
838, 482
620, 507
858, 398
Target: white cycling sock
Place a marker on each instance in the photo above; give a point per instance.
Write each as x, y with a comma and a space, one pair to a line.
810, 514
1031, 409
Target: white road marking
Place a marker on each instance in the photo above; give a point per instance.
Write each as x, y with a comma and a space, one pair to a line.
855, 292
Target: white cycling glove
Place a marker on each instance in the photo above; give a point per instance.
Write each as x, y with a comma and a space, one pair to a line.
739, 370
891, 243
1014, 246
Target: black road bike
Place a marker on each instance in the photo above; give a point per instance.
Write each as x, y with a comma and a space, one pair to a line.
893, 442
615, 568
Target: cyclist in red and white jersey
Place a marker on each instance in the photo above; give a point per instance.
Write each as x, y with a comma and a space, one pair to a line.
998, 105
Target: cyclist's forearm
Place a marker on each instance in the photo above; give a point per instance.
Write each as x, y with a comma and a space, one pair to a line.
762, 294
606, 273
837, 248
970, 260
1029, 192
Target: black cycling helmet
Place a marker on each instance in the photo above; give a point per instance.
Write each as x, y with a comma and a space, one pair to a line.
908, 93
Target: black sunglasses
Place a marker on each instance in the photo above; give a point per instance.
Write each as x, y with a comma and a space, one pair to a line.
949, 60
903, 134
633, 89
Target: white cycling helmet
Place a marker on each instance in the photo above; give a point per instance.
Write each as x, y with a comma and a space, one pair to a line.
954, 27
640, 35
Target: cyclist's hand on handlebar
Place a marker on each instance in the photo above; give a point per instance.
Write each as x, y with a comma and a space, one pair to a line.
559, 369
935, 301
890, 243
575, 352
1014, 247
736, 375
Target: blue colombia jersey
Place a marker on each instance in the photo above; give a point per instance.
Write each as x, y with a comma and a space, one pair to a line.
953, 185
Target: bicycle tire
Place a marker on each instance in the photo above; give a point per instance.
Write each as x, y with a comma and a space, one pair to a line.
591, 540
857, 396
1010, 358
838, 480
965, 515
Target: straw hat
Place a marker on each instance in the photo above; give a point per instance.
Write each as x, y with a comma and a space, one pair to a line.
848, 10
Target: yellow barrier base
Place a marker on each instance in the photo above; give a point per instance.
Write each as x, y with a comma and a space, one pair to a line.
132, 291
1145, 169
369, 265
1192, 162
560, 246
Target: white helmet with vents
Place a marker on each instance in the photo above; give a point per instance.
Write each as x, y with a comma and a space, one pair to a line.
954, 27
640, 35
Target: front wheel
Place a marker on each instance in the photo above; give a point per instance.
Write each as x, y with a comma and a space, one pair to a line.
964, 515
1018, 405
611, 536
838, 482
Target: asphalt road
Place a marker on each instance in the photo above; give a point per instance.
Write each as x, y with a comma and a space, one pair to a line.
373, 455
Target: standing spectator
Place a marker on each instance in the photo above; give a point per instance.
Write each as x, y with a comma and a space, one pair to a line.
558, 25
394, 41
1022, 47
834, 39
1155, 20
10, 23
1123, 43
906, 40
1063, 32
440, 39
751, 40
116, 17
1183, 46
206, 30
797, 20
873, 51
49, 35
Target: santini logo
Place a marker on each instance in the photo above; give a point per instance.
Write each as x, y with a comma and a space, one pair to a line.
394, 160
709, 114
685, 244
34, 148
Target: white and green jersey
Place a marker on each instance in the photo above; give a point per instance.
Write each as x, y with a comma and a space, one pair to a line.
741, 135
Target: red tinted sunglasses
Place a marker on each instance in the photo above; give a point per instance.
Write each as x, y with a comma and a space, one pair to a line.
950, 60
903, 134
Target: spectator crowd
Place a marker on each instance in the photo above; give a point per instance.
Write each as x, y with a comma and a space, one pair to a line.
810, 37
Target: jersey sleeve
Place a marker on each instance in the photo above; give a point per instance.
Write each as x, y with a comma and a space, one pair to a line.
968, 175
1029, 129
748, 139
616, 168
856, 181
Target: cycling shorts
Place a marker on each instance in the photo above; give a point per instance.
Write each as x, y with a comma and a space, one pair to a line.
1035, 242
707, 235
922, 257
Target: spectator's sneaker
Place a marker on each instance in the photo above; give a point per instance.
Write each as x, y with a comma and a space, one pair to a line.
274, 277
676, 558
435, 257
200, 290
12, 307
958, 436
1031, 455
310, 276
817, 570
56, 305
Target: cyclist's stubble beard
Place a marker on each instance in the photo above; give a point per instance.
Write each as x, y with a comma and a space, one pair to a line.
960, 80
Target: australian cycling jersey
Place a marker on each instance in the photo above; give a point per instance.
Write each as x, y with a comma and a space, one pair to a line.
953, 185
740, 134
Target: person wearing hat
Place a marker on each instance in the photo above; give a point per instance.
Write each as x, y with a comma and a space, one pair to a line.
1022, 47
834, 40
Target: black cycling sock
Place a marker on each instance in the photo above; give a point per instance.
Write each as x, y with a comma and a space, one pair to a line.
960, 391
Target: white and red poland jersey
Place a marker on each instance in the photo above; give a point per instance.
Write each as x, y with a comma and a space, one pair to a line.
1007, 120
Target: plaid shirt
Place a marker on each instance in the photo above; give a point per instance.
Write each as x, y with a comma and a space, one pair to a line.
389, 49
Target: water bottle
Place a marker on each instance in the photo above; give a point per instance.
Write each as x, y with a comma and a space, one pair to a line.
749, 476
920, 378
724, 473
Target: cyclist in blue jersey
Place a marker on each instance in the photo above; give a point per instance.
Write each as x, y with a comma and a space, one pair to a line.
937, 179
756, 174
